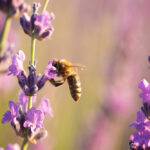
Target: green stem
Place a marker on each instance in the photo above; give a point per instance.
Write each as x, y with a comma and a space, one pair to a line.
30, 102
32, 50
24, 144
45, 5
4, 34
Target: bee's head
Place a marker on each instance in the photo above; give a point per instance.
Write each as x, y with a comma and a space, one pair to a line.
57, 64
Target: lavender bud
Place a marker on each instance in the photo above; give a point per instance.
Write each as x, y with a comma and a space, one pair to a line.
35, 7
41, 82
32, 76
22, 79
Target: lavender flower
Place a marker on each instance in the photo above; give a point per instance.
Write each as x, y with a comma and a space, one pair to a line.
34, 119
43, 25
50, 71
13, 113
32, 83
141, 138
45, 107
17, 63
13, 7
38, 25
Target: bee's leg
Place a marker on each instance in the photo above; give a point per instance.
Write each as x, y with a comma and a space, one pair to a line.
57, 83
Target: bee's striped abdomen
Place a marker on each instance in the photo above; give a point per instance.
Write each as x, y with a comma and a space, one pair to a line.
74, 86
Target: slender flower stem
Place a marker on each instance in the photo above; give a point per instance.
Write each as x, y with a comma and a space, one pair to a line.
45, 5
32, 50
3, 36
30, 102
24, 144
32, 63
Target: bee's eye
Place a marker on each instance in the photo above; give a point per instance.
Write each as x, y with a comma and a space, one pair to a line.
56, 66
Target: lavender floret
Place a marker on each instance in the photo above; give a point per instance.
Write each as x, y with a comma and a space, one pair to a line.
38, 26
17, 63
34, 119
50, 71
45, 107
13, 113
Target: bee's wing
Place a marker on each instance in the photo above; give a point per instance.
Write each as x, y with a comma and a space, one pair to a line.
79, 67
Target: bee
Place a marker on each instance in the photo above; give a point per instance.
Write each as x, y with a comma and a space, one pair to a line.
65, 70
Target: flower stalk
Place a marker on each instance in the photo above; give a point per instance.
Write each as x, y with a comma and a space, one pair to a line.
4, 34
33, 40
30, 102
45, 5
25, 144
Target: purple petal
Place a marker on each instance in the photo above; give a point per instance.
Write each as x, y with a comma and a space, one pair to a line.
143, 85
34, 119
17, 63
50, 71
51, 61
10, 115
14, 108
44, 19
7, 117
141, 117
45, 106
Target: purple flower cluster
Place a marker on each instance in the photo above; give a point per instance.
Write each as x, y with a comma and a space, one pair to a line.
141, 138
38, 26
32, 83
32, 119
26, 120
14, 8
